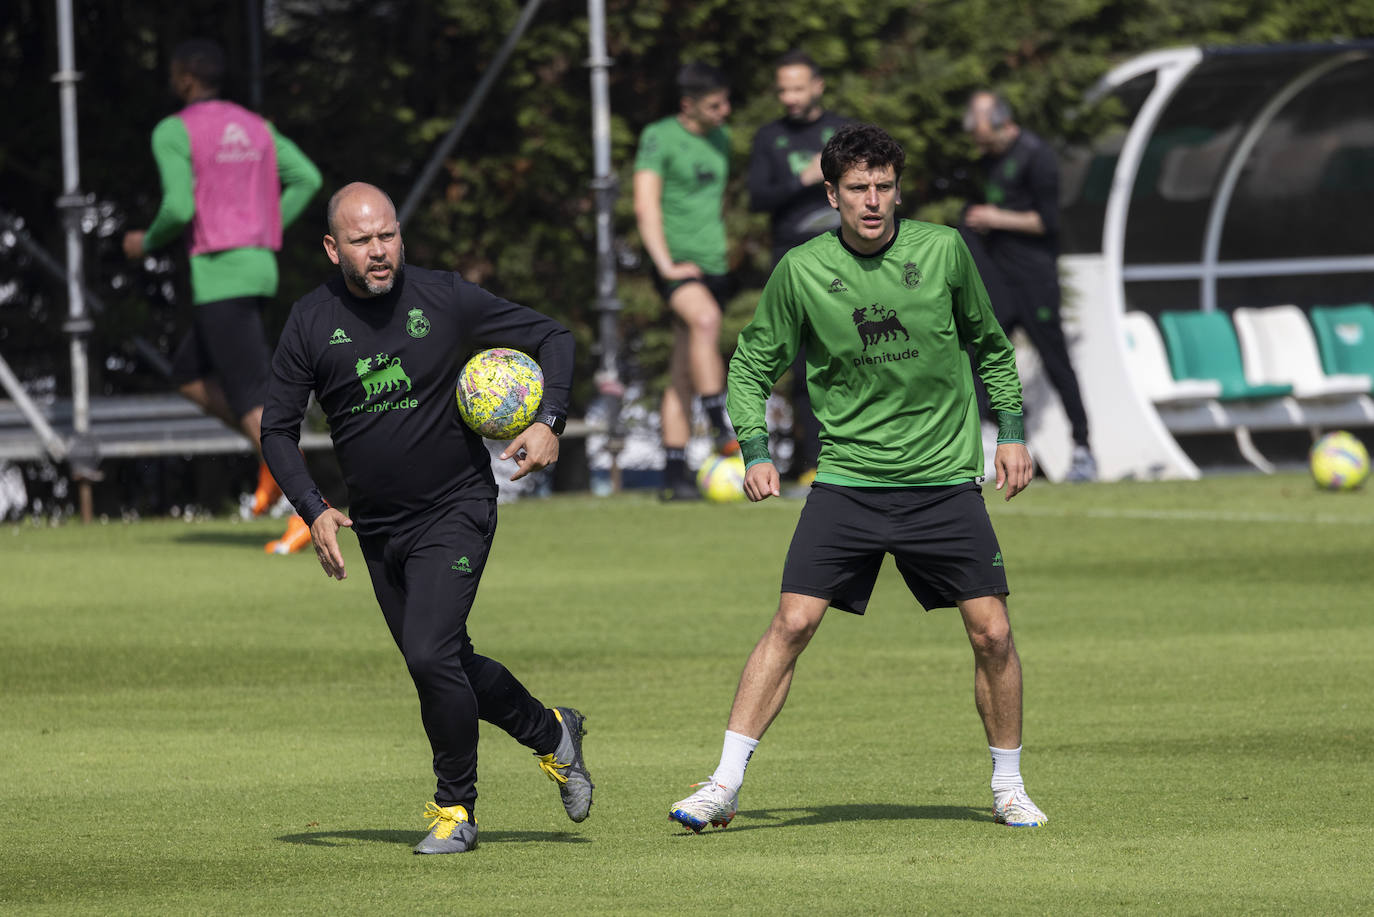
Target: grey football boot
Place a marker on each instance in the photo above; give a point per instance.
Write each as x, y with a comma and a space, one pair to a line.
566, 766
450, 830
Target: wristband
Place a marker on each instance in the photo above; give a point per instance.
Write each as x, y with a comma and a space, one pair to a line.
754, 450
1011, 427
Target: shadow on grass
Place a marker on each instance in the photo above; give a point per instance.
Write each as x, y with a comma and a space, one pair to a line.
754, 819
411, 838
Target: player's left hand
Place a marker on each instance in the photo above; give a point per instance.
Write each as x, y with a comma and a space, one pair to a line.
761, 482
133, 244
536, 448
1014, 468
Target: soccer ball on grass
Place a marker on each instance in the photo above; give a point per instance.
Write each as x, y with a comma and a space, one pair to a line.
1339, 461
721, 478
499, 391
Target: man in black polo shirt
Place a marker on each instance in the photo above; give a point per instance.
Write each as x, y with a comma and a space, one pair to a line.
785, 181
381, 347
1013, 234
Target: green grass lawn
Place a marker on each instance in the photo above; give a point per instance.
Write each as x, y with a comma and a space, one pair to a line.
188, 726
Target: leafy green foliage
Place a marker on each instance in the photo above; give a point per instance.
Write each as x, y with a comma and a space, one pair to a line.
368, 89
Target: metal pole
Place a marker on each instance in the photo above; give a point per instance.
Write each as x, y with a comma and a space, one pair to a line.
52, 443
474, 102
83, 459
608, 382
255, 55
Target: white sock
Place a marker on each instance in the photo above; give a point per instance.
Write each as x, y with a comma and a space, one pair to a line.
1006, 770
734, 758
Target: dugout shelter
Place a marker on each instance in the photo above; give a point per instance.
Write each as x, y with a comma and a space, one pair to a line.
1213, 180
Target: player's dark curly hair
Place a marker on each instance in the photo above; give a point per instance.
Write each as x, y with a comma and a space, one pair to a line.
696, 79
864, 145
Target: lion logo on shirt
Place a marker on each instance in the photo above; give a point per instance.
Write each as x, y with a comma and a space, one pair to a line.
883, 325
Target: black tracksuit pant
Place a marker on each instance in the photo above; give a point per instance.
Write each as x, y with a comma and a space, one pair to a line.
425, 577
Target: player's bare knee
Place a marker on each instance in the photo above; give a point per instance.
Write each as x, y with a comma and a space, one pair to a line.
992, 639
706, 323
794, 625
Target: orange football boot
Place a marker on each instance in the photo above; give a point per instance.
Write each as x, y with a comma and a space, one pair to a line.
267, 494
296, 536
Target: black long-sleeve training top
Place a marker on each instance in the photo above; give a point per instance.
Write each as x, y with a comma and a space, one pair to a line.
782, 149
385, 371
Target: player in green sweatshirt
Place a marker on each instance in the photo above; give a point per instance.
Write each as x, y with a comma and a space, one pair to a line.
888, 311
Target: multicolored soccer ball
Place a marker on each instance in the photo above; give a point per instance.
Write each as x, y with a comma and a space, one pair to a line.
1339, 461
721, 478
499, 391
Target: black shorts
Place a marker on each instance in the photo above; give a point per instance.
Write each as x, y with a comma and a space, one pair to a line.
720, 286
941, 538
227, 342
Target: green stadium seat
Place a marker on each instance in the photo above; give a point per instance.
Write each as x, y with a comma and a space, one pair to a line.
1203, 345
1345, 337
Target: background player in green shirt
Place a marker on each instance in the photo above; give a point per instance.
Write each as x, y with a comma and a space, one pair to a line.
680, 172
888, 311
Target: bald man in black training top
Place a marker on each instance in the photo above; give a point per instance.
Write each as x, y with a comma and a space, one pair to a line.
381, 347
1013, 234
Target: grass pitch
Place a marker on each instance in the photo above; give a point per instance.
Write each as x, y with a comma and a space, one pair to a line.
188, 726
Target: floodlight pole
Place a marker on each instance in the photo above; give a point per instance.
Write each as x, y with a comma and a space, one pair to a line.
608, 383
83, 458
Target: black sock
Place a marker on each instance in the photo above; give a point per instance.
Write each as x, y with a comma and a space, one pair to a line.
714, 406
675, 466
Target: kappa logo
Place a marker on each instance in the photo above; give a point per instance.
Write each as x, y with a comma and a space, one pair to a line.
339, 337
462, 565
234, 135
235, 145
837, 286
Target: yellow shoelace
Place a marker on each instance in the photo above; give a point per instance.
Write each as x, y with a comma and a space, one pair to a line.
550, 766
446, 817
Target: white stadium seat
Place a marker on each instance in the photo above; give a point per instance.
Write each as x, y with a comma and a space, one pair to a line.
1149, 366
1278, 346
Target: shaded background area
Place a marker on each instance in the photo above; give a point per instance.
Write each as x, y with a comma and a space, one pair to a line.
367, 90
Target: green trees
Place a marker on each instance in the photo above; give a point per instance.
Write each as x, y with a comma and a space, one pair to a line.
368, 89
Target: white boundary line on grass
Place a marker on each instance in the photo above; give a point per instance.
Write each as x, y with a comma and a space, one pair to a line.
1190, 515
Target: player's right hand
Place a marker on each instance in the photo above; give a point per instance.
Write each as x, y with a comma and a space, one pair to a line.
761, 482
682, 270
324, 534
